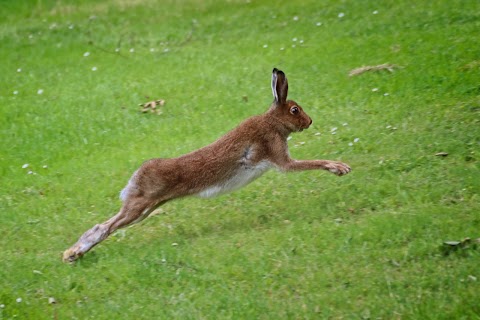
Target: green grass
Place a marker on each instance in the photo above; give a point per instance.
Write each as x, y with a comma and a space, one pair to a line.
296, 246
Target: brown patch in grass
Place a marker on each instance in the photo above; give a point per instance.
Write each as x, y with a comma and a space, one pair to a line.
472, 65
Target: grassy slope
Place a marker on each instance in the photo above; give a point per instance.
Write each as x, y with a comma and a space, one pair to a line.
304, 245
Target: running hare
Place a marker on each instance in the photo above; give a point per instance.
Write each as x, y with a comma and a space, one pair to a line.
236, 159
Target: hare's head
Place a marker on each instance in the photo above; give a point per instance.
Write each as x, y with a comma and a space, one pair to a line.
288, 112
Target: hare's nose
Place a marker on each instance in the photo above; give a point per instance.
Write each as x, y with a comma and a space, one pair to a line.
311, 121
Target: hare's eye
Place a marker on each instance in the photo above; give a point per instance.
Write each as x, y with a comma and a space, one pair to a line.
294, 110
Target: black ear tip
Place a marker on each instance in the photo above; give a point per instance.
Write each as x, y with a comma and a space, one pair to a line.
279, 72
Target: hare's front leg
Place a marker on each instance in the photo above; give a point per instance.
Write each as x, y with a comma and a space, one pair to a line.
336, 167
133, 211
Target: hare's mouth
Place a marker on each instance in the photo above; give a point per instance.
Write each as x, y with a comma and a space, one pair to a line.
304, 128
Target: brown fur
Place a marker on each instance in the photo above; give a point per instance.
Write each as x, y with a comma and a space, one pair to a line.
234, 160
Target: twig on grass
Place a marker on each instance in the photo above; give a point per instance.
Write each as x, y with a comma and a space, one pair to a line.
189, 35
380, 67
90, 42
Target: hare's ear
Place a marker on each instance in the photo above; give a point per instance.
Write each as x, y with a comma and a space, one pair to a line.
279, 86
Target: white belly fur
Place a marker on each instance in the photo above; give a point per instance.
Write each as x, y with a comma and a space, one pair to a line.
243, 177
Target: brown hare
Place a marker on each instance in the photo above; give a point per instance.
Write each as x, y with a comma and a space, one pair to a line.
236, 159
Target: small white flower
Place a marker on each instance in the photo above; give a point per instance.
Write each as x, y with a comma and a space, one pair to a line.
282, 48
341, 15
30, 36
356, 140
295, 18
117, 49
86, 54
40, 91
375, 12
2, 306
289, 138
293, 46
152, 49
15, 92
19, 70
317, 134
132, 50
94, 69
345, 124
301, 41
318, 24
166, 50
294, 39
71, 26
265, 45
350, 144
30, 172
25, 166
174, 244
334, 129
19, 300
374, 89
386, 94
388, 127
45, 167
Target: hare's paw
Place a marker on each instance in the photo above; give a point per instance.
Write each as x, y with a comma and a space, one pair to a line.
72, 254
338, 168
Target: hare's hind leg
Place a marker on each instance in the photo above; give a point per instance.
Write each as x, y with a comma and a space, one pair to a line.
134, 210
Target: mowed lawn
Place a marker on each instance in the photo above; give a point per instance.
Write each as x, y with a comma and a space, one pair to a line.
387, 241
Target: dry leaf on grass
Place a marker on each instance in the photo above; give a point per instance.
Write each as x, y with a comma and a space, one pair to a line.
152, 106
380, 67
